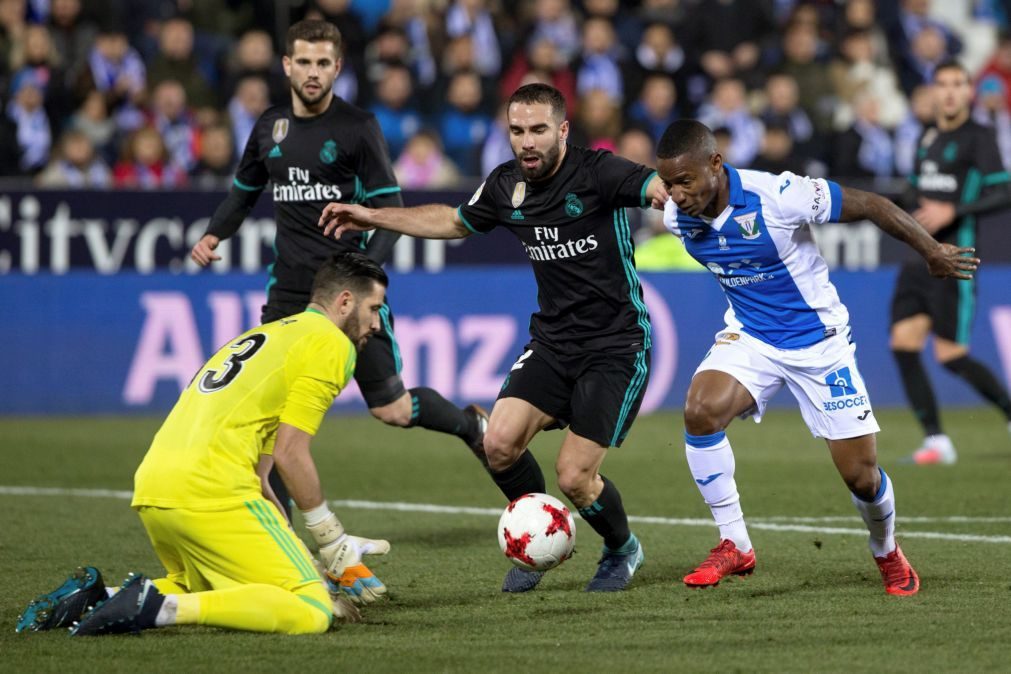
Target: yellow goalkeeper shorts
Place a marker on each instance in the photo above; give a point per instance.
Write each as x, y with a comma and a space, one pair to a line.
245, 545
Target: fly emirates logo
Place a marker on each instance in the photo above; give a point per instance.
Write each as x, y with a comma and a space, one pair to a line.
548, 246
298, 188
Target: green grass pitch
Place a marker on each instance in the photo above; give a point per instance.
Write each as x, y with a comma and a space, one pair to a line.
815, 603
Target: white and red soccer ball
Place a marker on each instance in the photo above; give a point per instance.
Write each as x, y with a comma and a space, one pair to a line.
537, 532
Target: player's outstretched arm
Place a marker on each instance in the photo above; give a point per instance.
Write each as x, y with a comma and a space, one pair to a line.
432, 221
943, 260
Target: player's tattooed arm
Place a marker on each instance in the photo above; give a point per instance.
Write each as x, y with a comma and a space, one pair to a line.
943, 260
432, 221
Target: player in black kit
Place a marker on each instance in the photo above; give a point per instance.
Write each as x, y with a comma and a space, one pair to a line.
958, 176
587, 363
316, 150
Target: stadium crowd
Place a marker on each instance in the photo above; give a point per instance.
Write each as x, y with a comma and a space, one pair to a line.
164, 93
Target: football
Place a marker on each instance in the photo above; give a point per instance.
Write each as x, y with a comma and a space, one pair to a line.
537, 532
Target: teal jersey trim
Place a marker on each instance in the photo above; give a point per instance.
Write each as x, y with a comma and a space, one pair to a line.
379, 191
387, 326
271, 279
974, 182
243, 186
645, 186
623, 234
996, 178
459, 211
631, 395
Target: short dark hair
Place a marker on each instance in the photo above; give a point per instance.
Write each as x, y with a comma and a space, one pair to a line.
541, 93
686, 136
347, 271
313, 31
951, 64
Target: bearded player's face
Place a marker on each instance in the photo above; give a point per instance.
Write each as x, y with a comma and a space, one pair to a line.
537, 139
312, 68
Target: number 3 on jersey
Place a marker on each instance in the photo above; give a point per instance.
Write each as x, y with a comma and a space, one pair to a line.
245, 348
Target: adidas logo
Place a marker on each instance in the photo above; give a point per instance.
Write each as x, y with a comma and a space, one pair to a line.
517, 215
276, 152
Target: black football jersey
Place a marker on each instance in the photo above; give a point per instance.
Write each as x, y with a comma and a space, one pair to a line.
339, 155
956, 166
574, 229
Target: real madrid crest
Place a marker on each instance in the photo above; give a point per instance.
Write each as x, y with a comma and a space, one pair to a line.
573, 206
519, 194
280, 130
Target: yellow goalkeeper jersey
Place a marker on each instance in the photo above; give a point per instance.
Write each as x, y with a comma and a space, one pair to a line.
205, 454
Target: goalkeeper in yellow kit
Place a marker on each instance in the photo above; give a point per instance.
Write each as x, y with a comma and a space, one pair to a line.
201, 491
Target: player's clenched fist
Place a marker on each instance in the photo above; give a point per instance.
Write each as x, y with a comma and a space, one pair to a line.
203, 253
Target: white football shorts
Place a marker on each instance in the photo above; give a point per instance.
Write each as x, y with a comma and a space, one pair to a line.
823, 377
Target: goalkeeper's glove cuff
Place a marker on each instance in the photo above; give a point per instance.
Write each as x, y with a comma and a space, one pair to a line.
324, 526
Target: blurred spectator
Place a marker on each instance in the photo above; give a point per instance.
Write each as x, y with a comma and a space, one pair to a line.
800, 47
75, 164
1000, 66
778, 154
389, 47
92, 119
246, 106
10, 151
918, 43
627, 25
25, 108
409, 18
656, 106
637, 145
991, 110
216, 159
224, 18
496, 149
422, 165
865, 149
782, 108
72, 36
254, 56
555, 20
858, 71
462, 124
598, 123
471, 17
176, 61
861, 15
396, 116
659, 53
38, 55
907, 135
599, 69
144, 163
723, 140
541, 56
116, 70
728, 109
12, 30
174, 121
726, 36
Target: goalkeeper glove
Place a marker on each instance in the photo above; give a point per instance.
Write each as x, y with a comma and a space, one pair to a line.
341, 555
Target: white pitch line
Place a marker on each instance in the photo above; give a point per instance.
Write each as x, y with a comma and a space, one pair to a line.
772, 523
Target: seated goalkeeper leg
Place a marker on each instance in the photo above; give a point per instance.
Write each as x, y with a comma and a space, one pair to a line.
138, 605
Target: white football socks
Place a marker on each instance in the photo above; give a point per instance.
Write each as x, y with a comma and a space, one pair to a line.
167, 613
711, 461
879, 516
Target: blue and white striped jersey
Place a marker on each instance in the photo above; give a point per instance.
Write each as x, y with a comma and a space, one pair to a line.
761, 251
